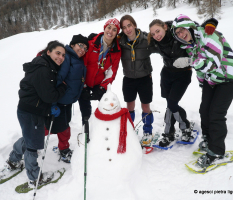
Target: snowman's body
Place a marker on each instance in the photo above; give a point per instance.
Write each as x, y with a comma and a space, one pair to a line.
109, 173
102, 150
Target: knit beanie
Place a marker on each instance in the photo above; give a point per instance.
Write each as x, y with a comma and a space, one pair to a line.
115, 22
79, 39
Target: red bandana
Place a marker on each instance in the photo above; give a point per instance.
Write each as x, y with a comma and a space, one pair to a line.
124, 113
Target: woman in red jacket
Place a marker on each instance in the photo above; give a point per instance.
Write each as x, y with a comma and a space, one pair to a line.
102, 62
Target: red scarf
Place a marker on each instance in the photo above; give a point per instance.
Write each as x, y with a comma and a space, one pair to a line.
124, 113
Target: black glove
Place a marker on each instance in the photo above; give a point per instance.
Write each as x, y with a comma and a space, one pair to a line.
86, 94
97, 93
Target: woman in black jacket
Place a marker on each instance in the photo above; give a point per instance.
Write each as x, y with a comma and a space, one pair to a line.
174, 81
36, 94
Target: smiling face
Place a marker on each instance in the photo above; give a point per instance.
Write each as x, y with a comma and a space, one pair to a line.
110, 33
129, 29
109, 103
183, 34
79, 50
57, 55
158, 32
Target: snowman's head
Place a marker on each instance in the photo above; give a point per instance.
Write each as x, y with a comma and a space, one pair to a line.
109, 103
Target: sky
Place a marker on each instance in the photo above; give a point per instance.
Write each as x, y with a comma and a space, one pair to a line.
162, 174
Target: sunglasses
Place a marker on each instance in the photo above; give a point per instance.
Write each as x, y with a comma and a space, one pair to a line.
83, 47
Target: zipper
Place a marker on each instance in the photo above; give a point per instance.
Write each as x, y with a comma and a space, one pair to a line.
37, 103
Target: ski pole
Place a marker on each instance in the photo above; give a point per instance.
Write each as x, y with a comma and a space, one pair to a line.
86, 131
145, 117
43, 157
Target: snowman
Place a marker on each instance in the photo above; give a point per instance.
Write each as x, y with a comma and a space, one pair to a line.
114, 153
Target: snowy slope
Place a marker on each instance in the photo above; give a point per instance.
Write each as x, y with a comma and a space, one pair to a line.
163, 174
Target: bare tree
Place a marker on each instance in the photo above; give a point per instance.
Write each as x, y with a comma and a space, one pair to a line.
211, 8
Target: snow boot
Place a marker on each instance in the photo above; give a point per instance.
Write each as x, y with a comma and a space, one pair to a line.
132, 114
208, 159
147, 127
203, 145
10, 169
65, 155
166, 140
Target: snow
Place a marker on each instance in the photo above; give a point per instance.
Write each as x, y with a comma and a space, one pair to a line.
163, 174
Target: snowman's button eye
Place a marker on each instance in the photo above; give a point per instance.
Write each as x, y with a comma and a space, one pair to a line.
106, 99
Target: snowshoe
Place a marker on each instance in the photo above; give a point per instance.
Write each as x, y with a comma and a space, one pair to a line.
205, 163
45, 179
10, 170
166, 142
148, 146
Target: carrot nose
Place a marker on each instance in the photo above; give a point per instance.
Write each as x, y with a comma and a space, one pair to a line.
112, 104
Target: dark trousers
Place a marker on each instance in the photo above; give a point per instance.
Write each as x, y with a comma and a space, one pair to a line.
85, 108
213, 110
174, 84
33, 138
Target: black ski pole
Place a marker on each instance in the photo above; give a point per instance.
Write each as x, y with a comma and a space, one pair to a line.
86, 131
43, 157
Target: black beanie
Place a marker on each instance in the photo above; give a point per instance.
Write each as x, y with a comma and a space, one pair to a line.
79, 39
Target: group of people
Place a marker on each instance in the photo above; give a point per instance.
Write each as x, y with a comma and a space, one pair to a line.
61, 75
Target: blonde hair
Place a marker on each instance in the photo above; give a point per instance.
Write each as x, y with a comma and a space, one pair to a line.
157, 22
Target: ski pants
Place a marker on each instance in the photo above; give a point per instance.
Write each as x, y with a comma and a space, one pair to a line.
173, 86
213, 109
63, 138
33, 139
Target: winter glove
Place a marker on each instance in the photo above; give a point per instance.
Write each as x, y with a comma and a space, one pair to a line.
182, 62
55, 110
86, 94
210, 25
97, 93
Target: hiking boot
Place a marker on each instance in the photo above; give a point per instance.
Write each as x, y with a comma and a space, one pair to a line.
186, 135
166, 140
203, 145
10, 168
146, 139
65, 155
206, 160
45, 177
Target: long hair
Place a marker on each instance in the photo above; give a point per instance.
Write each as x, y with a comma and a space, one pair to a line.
157, 22
50, 46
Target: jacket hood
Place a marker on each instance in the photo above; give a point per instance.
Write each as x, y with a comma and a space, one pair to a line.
40, 61
185, 22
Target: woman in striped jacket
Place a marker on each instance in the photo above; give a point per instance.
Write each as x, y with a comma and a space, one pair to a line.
212, 58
